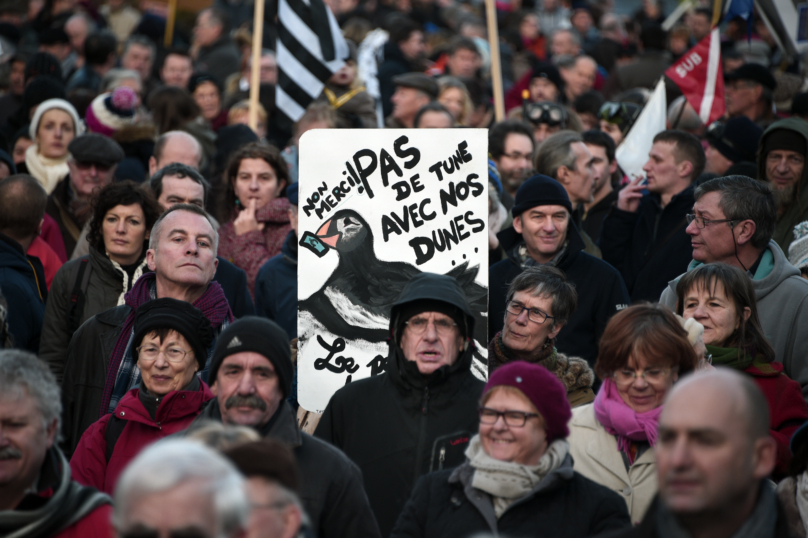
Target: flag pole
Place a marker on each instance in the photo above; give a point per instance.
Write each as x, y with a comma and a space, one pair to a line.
255, 72
496, 69
168, 35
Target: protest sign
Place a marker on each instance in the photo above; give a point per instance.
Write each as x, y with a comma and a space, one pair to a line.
376, 208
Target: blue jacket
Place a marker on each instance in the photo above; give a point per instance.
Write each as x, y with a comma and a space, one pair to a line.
276, 287
22, 282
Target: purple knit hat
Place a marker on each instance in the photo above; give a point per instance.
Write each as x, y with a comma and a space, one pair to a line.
542, 388
110, 112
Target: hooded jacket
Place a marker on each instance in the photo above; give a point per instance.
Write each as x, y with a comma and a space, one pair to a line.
782, 301
564, 503
330, 484
601, 292
22, 281
797, 210
401, 424
276, 287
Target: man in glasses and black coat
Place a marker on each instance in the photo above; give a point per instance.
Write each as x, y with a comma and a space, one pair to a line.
417, 416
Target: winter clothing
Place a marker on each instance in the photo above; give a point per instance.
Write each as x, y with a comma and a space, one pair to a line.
112, 111
792, 496
221, 59
107, 283
276, 287
22, 282
45, 170
540, 190
234, 285
753, 72
145, 424
544, 390
122, 20
563, 503
798, 250
251, 250
574, 372
85, 78
418, 81
331, 489
600, 288
649, 247
260, 336
50, 260
50, 104
101, 349
597, 457
592, 221
58, 507
416, 423
70, 213
797, 210
739, 139
627, 425
96, 148
53, 237
167, 313
354, 107
782, 300
137, 143
643, 73
395, 63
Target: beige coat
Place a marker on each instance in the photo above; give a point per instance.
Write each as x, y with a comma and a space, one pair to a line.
596, 456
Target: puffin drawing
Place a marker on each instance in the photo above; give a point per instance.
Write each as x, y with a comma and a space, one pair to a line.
355, 301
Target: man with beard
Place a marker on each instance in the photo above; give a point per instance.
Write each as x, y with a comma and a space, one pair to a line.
781, 163
511, 146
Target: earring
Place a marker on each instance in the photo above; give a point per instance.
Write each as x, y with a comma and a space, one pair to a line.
238, 202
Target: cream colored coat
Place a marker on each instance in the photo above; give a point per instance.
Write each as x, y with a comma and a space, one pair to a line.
596, 456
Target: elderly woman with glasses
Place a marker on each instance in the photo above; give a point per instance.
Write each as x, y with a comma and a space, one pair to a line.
518, 478
171, 341
642, 353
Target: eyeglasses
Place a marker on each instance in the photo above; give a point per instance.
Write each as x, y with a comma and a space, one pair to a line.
84, 166
702, 223
516, 156
715, 133
150, 353
517, 419
533, 314
444, 327
545, 112
653, 376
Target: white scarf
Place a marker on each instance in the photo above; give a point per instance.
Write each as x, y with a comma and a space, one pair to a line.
126, 284
508, 482
46, 170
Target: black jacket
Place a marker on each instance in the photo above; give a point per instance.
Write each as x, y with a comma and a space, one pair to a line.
330, 484
233, 281
650, 247
395, 63
564, 504
400, 425
601, 293
22, 283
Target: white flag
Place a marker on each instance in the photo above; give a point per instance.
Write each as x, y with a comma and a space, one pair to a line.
632, 154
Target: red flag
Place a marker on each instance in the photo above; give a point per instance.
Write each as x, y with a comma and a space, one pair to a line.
699, 75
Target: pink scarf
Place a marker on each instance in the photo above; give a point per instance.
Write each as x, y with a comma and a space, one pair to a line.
621, 421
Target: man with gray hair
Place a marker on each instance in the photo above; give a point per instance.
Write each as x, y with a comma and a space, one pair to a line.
732, 221
180, 487
38, 499
100, 368
713, 466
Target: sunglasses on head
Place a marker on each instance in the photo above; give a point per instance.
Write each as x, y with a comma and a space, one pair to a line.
545, 112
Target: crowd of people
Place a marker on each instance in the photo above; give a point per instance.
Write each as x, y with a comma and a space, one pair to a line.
647, 352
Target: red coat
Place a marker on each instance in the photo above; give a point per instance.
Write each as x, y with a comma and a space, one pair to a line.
96, 524
176, 411
787, 409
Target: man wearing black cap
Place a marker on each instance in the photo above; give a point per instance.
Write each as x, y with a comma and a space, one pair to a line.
546, 83
92, 161
749, 91
543, 233
251, 375
413, 91
781, 163
419, 415
730, 142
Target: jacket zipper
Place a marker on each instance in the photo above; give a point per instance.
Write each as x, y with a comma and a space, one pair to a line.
421, 435
441, 458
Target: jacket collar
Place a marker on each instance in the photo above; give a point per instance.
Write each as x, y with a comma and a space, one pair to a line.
405, 374
281, 427
510, 240
173, 405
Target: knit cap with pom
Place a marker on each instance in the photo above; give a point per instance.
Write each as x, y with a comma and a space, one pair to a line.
798, 250
110, 112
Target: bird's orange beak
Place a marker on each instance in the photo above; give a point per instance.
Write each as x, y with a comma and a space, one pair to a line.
322, 233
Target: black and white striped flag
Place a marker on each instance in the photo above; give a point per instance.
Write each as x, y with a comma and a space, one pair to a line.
310, 49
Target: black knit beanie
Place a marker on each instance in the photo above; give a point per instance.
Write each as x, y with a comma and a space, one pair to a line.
40, 90
179, 316
540, 190
262, 336
408, 310
784, 139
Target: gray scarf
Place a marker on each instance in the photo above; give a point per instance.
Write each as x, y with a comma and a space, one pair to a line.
508, 482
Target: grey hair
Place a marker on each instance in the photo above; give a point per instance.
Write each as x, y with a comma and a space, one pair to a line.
287, 496
141, 41
547, 281
574, 35
157, 229
24, 374
170, 463
115, 76
555, 152
565, 61
687, 119
220, 436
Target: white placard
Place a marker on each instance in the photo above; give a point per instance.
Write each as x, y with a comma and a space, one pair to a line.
376, 207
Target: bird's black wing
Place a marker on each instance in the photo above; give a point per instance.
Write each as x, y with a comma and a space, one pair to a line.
322, 309
477, 296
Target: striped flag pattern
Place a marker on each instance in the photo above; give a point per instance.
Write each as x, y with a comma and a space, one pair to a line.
699, 75
310, 49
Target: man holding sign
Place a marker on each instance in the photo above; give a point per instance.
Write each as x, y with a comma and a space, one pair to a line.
418, 416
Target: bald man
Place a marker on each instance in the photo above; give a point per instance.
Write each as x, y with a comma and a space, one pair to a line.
175, 147
713, 455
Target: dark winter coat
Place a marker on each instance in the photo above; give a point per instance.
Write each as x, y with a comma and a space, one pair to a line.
58, 207
563, 504
221, 59
174, 413
276, 287
601, 293
22, 283
234, 285
649, 247
395, 63
331, 485
137, 142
